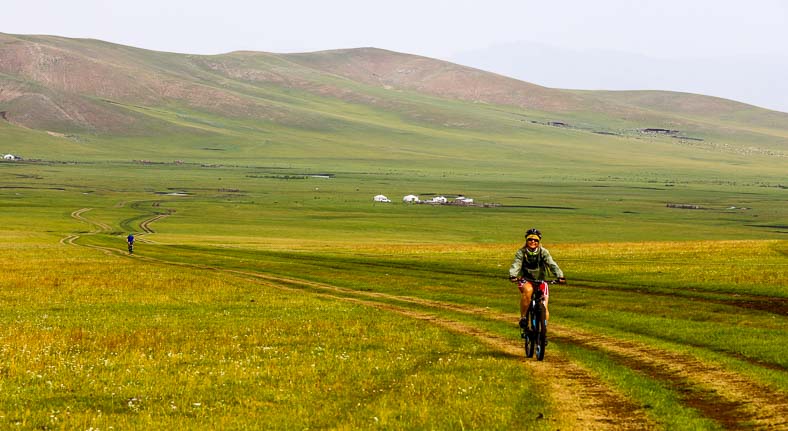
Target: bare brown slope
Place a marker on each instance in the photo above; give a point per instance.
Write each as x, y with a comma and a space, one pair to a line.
696, 105
65, 84
394, 70
62, 84
70, 70
50, 88
230, 84
636, 109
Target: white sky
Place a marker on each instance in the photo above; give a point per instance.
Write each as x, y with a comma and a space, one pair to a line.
727, 31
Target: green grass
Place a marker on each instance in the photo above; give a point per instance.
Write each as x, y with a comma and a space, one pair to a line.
117, 343
663, 405
92, 340
187, 341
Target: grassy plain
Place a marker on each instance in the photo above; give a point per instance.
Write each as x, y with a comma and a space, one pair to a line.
253, 305
269, 291
95, 341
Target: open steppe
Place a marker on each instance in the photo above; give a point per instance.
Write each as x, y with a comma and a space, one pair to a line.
268, 291
300, 303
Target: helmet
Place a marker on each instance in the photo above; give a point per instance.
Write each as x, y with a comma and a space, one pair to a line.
533, 231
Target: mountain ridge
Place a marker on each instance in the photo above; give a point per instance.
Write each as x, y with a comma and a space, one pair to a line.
92, 69
611, 70
343, 102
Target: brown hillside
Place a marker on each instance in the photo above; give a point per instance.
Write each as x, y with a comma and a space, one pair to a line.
438, 78
693, 105
67, 70
54, 82
67, 84
63, 84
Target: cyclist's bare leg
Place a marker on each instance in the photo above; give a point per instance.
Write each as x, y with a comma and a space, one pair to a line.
546, 310
526, 290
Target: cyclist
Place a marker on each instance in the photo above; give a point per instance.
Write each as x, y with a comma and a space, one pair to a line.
531, 263
130, 240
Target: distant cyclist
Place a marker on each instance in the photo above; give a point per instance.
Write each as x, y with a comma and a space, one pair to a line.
130, 241
533, 263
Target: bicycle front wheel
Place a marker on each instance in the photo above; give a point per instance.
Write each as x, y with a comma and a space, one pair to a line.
529, 336
540, 332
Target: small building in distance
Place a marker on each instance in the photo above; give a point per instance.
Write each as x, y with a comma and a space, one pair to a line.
11, 157
381, 198
411, 199
437, 200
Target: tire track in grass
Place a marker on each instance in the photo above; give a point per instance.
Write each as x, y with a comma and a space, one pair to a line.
100, 227
583, 400
146, 229
769, 304
96, 227
145, 224
730, 399
726, 397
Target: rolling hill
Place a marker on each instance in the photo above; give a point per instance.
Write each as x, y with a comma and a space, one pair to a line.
113, 101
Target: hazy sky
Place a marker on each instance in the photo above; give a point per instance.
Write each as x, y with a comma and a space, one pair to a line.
726, 32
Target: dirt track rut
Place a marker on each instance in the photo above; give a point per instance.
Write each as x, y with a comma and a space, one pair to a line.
730, 399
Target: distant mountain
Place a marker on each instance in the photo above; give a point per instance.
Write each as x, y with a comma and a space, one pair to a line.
394, 70
352, 101
75, 84
609, 70
71, 84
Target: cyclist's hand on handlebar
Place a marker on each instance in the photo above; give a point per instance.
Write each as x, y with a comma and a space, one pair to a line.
514, 279
561, 280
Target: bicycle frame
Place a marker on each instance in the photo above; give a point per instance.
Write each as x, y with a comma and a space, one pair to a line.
535, 332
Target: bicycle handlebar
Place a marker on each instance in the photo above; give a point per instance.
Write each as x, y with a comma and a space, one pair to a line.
553, 281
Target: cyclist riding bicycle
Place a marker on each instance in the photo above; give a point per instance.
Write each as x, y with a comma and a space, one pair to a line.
533, 263
130, 241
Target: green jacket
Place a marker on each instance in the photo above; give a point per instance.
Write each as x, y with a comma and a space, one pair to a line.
538, 265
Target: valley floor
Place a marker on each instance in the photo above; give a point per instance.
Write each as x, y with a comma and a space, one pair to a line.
400, 336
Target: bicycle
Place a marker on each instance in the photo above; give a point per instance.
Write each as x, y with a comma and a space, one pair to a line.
533, 327
131, 248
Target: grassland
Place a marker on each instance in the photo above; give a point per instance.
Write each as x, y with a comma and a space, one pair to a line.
265, 298
135, 345
268, 291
